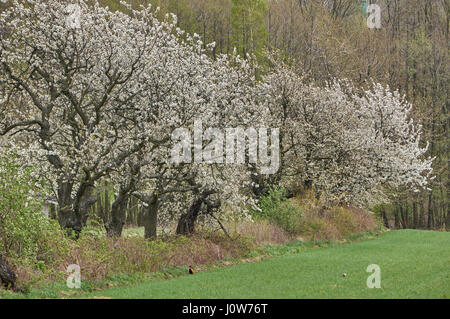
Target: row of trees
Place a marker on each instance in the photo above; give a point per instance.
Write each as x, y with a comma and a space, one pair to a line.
329, 39
98, 102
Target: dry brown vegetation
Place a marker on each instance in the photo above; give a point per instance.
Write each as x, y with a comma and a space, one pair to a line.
101, 257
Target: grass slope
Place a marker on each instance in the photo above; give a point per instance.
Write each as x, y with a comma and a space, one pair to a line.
414, 264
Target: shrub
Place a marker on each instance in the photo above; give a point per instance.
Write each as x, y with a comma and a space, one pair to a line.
337, 223
276, 208
25, 232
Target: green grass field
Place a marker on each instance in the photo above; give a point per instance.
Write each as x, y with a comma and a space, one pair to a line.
414, 264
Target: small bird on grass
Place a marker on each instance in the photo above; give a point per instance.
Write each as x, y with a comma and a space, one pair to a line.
191, 270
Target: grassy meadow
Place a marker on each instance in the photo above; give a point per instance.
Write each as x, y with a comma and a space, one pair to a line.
414, 264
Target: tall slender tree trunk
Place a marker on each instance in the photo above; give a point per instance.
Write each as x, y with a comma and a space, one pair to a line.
100, 208
107, 207
385, 219
422, 215
430, 211
140, 217
402, 216
404, 209
415, 215
447, 219
396, 218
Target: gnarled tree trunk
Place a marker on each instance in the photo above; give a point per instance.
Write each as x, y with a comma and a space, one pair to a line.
73, 213
186, 224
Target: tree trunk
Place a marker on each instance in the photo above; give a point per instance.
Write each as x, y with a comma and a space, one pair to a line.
396, 218
150, 217
415, 215
186, 224
430, 211
100, 208
140, 217
7, 276
404, 215
118, 214
73, 214
84, 204
422, 216
447, 221
132, 212
107, 207
385, 219
66, 218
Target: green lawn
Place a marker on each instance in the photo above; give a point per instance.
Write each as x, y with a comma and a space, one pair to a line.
414, 264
